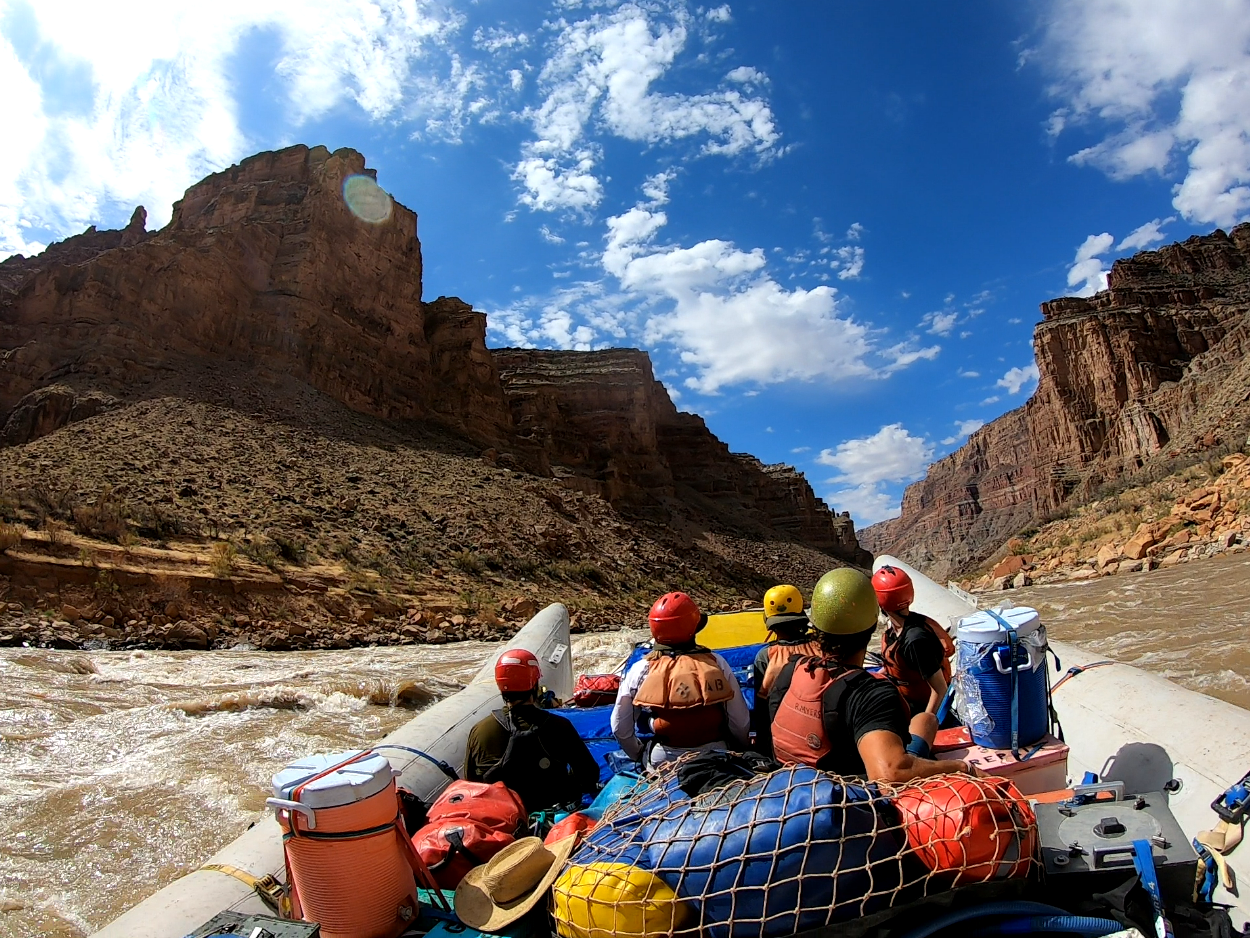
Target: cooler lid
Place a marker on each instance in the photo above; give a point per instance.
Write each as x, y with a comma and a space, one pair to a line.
355, 782
981, 628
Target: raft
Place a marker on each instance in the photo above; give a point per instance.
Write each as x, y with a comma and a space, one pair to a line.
1120, 722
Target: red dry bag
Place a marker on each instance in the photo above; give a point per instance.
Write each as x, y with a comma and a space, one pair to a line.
595, 690
453, 846
495, 806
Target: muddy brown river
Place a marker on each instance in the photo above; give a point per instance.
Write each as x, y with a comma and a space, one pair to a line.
123, 770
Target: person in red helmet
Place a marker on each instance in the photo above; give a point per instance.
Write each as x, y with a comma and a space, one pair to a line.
688, 693
915, 649
535, 753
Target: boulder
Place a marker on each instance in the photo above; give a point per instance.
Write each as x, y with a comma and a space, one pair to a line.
1140, 542
1107, 555
184, 634
1020, 580
1009, 566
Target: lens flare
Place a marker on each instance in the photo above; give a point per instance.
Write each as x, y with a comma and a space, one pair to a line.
367, 200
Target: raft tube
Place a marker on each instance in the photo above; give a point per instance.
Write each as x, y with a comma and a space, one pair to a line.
440, 730
1125, 724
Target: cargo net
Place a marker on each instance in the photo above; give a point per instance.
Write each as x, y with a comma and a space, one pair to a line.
791, 850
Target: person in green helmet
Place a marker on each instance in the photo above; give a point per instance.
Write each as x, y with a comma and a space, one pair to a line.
829, 713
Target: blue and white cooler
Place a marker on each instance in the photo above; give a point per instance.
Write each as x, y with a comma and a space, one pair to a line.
1001, 677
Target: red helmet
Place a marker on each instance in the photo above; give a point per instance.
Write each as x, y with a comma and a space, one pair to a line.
894, 588
517, 670
674, 619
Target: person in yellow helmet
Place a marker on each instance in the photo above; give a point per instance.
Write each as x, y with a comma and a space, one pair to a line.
792, 637
828, 712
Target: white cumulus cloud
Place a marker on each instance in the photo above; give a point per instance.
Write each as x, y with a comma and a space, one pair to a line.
1087, 269
159, 110
605, 66
1145, 235
1016, 379
891, 455
940, 322
963, 428
1168, 83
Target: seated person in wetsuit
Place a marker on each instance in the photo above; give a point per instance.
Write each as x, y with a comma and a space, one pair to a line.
915, 650
792, 638
688, 694
535, 753
831, 714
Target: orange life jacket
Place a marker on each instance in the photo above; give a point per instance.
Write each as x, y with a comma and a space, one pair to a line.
800, 733
686, 692
779, 655
911, 683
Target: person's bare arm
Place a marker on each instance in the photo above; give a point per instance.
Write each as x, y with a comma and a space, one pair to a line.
937, 683
887, 760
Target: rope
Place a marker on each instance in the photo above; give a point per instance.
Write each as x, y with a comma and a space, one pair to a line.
1079, 669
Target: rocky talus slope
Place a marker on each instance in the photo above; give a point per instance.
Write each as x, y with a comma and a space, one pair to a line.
1150, 369
1197, 512
250, 426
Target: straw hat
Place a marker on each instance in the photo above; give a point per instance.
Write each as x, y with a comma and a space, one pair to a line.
508, 885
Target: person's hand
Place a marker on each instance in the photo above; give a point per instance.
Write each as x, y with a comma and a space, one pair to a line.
972, 770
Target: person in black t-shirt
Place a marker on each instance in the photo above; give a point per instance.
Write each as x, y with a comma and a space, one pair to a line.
831, 714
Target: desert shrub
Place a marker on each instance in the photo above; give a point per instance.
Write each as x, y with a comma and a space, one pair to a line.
106, 519
469, 562
160, 523
261, 551
10, 536
290, 549
223, 559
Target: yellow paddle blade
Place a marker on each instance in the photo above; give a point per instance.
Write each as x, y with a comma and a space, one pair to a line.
733, 629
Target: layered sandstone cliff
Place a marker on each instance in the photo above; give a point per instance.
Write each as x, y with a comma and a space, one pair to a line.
264, 265
606, 424
264, 270
1152, 367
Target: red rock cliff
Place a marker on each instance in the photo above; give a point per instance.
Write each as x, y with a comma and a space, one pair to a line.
1154, 365
610, 428
264, 265
265, 269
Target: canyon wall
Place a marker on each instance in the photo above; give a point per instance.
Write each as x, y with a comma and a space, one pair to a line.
609, 428
264, 268
1150, 368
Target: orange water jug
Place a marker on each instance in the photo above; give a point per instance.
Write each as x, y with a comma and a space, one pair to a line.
347, 855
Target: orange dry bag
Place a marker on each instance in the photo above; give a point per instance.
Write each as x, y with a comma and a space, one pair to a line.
575, 824
973, 829
348, 859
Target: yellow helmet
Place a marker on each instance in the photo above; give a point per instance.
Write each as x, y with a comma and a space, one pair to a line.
844, 603
782, 599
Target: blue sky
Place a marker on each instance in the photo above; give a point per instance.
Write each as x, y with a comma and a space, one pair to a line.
830, 224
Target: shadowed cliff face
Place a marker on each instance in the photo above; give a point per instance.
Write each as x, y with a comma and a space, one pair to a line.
610, 429
1150, 368
262, 264
264, 270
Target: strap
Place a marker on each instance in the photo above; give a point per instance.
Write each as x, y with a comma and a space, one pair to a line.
1013, 641
271, 892
1143, 859
945, 706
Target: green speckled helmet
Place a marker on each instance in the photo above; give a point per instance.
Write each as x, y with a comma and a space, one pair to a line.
844, 603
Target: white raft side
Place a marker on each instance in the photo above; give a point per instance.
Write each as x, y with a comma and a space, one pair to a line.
441, 730
1127, 724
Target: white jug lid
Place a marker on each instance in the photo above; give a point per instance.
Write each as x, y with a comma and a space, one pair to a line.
982, 628
351, 783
